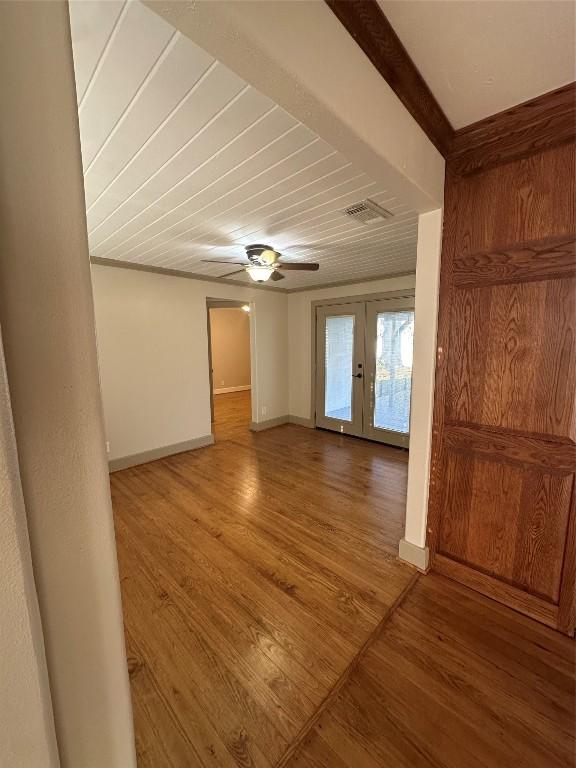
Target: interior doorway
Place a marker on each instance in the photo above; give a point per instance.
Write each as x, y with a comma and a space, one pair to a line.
364, 367
229, 366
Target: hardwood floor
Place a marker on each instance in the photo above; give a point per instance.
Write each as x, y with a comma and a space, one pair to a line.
260, 584
232, 415
453, 680
252, 572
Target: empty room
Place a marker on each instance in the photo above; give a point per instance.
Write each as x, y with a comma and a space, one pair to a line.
288, 414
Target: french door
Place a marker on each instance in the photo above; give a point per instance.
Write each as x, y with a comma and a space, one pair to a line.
364, 368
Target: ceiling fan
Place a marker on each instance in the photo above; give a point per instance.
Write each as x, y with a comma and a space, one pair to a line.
264, 264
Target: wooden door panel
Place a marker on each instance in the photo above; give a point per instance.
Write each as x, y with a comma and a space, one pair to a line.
551, 257
513, 354
550, 456
502, 512
506, 520
523, 202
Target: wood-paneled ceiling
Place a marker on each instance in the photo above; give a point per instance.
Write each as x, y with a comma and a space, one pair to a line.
185, 161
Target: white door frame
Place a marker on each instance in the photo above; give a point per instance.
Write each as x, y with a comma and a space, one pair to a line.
405, 293
214, 303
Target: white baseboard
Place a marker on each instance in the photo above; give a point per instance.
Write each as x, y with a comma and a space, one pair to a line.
259, 426
413, 554
159, 453
301, 421
225, 390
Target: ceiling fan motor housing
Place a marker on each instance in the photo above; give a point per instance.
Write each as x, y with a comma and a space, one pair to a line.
261, 254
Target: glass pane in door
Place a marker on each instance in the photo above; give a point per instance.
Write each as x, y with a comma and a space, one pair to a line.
338, 370
393, 380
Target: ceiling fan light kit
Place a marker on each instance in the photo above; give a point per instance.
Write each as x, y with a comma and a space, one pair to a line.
264, 264
259, 273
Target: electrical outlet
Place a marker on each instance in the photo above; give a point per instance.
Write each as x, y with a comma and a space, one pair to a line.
264, 410
222, 383
107, 446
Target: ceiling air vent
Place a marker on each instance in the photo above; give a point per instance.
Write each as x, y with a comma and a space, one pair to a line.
367, 211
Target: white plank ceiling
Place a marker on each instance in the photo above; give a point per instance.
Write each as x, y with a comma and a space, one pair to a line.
184, 161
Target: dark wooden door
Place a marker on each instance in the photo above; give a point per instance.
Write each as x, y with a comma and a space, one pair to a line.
502, 514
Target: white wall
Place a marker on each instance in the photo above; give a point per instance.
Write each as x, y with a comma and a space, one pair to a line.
153, 356
27, 735
47, 319
300, 333
424, 369
230, 342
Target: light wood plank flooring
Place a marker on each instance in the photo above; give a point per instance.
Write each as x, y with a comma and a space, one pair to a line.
232, 415
453, 680
252, 572
269, 623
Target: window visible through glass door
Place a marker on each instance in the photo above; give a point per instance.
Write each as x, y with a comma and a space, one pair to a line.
393, 375
364, 368
340, 367
389, 350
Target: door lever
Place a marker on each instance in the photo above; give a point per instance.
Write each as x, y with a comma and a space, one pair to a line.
356, 375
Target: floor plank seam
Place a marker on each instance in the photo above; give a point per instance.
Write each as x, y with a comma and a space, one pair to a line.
311, 723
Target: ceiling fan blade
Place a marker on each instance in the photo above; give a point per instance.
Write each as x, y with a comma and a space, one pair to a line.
308, 266
224, 261
276, 276
236, 272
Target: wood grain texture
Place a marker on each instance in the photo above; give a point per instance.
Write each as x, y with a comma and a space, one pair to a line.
549, 456
252, 573
368, 25
502, 482
527, 129
537, 608
269, 623
523, 547
344, 678
453, 680
567, 605
526, 201
550, 258
514, 358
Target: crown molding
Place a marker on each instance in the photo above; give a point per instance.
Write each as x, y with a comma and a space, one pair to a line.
181, 273
219, 280
352, 281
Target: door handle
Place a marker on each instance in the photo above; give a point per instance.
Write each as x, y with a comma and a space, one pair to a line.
356, 375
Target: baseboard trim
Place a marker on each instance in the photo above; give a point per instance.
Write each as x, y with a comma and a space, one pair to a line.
225, 390
413, 554
260, 426
301, 421
114, 465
